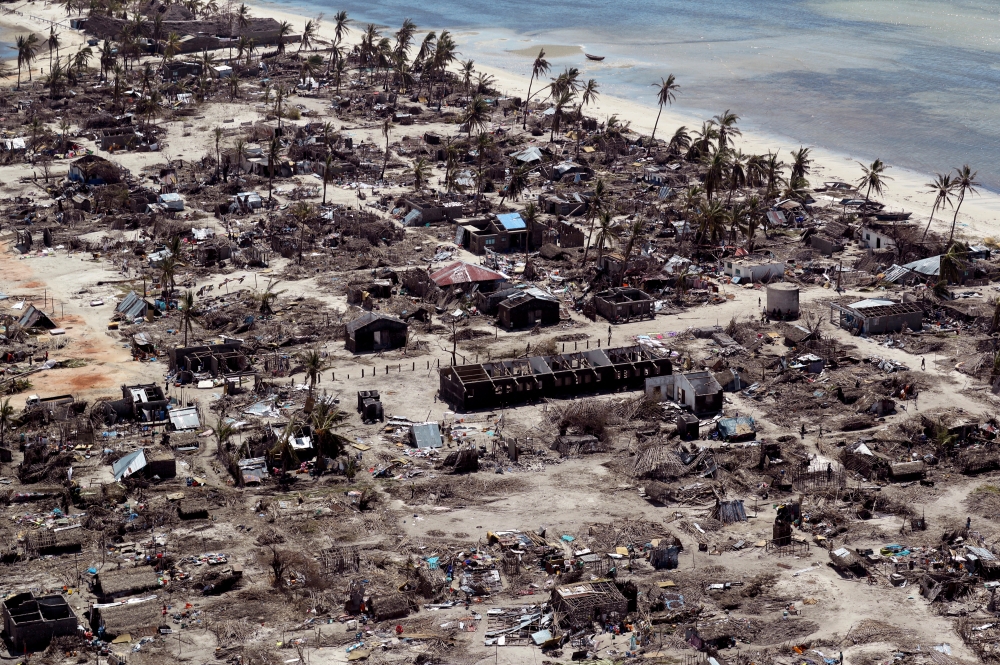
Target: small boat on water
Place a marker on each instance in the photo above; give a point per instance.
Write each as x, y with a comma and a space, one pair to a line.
597, 58
892, 216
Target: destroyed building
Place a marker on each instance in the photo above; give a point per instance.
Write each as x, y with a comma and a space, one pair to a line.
623, 304
31, 621
509, 382
214, 360
697, 391
877, 316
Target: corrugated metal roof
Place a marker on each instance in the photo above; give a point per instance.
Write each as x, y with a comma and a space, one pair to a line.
512, 221
129, 464
461, 272
427, 435
928, 266
186, 418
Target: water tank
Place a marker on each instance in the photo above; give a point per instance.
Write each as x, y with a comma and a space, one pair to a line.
783, 297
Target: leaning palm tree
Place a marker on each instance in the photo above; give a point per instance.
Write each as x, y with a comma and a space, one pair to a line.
598, 203
873, 179
267, 298
942, 188
326, 418
171, 47
421, 171
477, 115
965, 181
539, 68
588, 95
680, 141
635, 232
665, 95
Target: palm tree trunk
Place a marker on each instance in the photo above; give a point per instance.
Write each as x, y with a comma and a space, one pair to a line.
528, 101
954, 220
652, 137
933, 210
590, 235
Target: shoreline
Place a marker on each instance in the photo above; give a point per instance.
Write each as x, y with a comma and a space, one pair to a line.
979, 217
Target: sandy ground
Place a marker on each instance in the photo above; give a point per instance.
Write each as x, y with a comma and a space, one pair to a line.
564, 498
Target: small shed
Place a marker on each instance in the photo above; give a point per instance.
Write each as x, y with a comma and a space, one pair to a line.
624, 304
172, 201
426, 435
528, 308
375, 332
126, 581
392, 606
905, 471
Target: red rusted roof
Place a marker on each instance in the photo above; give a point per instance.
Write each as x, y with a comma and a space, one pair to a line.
461, 272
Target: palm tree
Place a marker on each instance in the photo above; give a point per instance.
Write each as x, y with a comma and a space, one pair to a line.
477, 115
171, 47
635, 232
800, 164
516, 183
313, 363
340, 30
712, 221
267, 298
773, 168
873, 178
588, 95
284, 29
598, 203
679, 142
308, 34
273, 158
82, 58
965, 181
665, 95
466, 71
25, 55
942, 188
421, 171
223, 432
53, 44
564, 99
243, 17
726, 122
605, 234
715, 172
325, 419
540, 67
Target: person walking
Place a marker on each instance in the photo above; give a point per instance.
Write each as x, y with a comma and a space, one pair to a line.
923, 365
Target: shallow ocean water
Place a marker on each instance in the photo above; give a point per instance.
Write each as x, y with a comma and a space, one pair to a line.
910, 81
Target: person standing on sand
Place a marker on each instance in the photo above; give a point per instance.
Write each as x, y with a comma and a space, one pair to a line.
923, 365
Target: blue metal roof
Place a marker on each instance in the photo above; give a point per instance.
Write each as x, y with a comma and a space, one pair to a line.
512, 221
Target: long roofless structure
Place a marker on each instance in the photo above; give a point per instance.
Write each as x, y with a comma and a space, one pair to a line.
511, 382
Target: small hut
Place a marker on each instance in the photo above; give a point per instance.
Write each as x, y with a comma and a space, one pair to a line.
392, 606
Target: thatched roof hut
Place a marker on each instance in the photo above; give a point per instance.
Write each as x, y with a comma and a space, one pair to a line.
127, 581
134, 617
192, 508
392, 606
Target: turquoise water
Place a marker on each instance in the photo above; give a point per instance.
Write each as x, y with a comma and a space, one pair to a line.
912, 82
